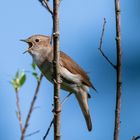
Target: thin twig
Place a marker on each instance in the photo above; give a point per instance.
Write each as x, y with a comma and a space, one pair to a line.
136, 138
33, 133
65, 99
51, 123
18, 113
48, 130
100, 46
103, 30
46, 5
31, 108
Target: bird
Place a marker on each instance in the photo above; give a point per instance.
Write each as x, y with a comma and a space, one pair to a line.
74, 79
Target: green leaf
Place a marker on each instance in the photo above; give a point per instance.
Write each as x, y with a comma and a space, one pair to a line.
17, 82
22, 79
35, 75
33, 66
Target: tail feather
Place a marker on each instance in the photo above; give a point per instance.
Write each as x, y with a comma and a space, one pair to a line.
82, 98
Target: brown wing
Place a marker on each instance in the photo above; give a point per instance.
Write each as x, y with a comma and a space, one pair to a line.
74, 68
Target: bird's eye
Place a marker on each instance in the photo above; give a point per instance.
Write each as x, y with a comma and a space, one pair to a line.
36, 40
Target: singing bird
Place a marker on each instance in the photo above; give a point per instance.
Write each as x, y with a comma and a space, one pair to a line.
74, 78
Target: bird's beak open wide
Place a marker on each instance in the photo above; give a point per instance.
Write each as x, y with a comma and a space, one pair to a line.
29, 43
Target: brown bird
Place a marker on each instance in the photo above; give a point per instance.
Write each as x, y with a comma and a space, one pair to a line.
74, 78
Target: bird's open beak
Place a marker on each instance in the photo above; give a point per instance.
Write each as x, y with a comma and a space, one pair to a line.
26, 51
26, 41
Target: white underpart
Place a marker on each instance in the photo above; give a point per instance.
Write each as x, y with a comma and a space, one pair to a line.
77, 85
37, 58
76, 78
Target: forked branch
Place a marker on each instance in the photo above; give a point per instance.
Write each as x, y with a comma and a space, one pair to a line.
45, 3
100, 46
117, 67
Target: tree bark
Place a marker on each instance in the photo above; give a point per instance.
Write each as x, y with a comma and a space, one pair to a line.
118, 70
57, 84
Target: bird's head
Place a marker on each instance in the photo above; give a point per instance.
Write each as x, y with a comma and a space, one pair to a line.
37, 44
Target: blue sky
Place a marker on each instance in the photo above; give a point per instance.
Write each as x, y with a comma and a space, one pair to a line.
80, 29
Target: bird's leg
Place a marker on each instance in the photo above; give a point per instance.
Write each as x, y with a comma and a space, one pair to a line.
56, 82
59, 82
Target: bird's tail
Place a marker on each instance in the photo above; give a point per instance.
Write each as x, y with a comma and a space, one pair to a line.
82, 98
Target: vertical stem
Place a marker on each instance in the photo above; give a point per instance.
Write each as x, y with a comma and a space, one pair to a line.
118, 70
18, 110
57, 104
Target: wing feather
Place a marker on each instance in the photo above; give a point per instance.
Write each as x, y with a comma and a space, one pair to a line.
74, 68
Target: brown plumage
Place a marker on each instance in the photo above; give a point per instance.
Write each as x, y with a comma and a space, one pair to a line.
74, 78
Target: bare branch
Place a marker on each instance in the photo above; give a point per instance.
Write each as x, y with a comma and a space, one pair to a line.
118, 70
100, 46
51, 123
31, 108
56, 69
46, 5
18, 113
